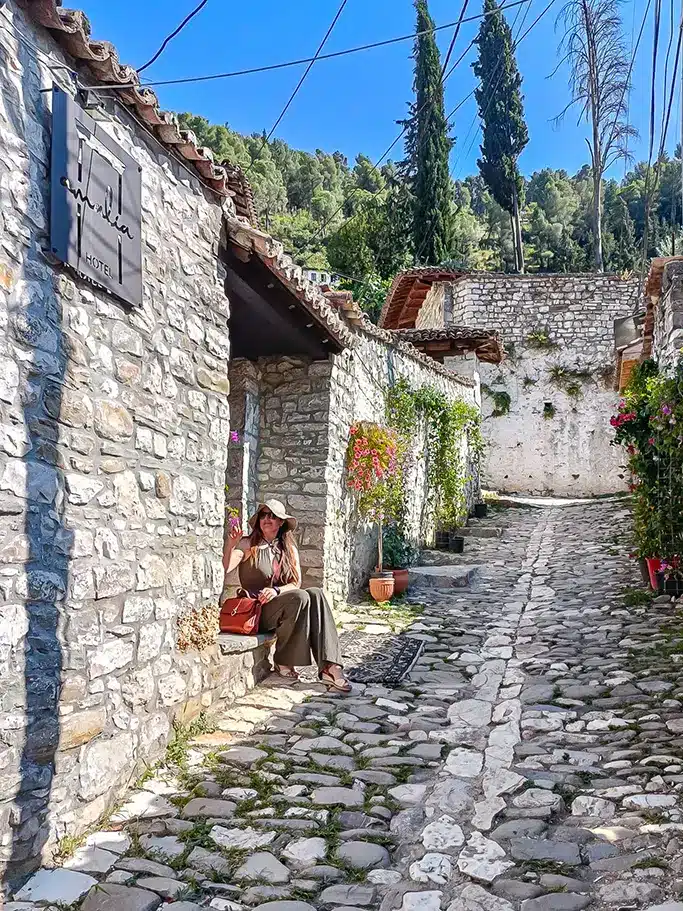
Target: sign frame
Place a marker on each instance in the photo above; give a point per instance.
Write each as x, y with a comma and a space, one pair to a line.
96, 203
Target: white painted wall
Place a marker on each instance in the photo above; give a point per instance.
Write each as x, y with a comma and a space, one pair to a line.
567, 455
570, 454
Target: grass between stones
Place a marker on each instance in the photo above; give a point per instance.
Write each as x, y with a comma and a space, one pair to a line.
633, 597
547, 866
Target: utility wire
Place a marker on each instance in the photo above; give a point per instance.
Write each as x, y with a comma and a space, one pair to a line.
653, 113
329, 56
298, 86
395, 141
170, 37
515, 45
454, 39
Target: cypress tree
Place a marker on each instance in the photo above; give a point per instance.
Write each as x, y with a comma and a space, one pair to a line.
427, 150
502, 114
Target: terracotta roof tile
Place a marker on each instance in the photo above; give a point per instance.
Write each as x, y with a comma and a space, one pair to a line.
100, 61
337, 311
453, 340
408, 291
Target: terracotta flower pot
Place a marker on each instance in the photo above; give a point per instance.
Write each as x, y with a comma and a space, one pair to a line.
400, 580
381, 586
653, 565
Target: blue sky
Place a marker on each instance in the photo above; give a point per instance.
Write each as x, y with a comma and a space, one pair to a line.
352, 103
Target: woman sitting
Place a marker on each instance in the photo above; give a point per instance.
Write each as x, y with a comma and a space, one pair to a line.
270, 570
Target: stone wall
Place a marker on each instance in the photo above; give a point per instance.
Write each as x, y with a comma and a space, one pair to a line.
306, 411
558, 334
113, 431
294, 446
668, 328
359, 380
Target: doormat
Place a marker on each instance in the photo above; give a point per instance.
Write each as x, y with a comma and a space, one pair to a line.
385, 658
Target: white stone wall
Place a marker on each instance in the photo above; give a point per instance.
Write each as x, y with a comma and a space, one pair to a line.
668, 328
359, 380
113, 432
569, 454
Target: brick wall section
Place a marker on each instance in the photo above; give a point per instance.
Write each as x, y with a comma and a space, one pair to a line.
113, 432
668, 329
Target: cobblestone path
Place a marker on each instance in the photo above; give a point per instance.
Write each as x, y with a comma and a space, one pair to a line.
533, 759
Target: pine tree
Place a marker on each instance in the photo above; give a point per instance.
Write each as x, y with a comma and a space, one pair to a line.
502, 114
427, 149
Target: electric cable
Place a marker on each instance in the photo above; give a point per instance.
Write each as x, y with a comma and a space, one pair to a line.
298, 86
173, 34
329, 56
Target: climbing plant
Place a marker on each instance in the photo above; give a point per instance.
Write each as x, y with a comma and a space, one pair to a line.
649, 424
446, 423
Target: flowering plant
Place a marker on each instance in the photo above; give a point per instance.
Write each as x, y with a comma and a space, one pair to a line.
649, 425
373, 467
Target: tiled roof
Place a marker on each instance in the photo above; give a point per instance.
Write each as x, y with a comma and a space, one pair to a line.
99, 60
407, 294
336, 310
653, 282
309, 295
454, 340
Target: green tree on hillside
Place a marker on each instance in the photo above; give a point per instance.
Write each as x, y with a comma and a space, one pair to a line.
427, 146
501, 111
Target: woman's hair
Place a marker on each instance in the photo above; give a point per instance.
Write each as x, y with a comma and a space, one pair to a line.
288, 561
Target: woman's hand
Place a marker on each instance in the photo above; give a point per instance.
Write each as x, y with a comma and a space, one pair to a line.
234, 537
266, 595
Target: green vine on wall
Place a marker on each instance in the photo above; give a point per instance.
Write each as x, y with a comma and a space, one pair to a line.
501, 400
446, 423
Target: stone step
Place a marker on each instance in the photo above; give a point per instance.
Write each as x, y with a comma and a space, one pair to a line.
480, 531
445, 576
234, 644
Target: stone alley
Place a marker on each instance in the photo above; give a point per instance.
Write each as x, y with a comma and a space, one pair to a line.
532, 759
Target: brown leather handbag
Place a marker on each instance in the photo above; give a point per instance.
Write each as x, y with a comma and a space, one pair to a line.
241, 616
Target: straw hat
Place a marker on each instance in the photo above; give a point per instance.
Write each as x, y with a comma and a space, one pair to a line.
277, 508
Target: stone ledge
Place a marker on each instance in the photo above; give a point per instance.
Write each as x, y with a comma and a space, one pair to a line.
234, 644
479, 531
443, 576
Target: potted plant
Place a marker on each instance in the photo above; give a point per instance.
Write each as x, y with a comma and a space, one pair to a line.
456, 543
441, 539
382, 583
398, 554
373, 473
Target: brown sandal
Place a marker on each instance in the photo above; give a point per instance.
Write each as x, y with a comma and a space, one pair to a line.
289, 674
341, 686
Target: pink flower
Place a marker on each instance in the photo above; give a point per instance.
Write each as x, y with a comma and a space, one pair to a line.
234, 436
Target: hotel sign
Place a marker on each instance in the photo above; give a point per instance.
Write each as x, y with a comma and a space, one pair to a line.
95, 209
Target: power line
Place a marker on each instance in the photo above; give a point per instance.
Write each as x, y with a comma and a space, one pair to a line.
454, 39
375, 166
170, 37
329, 56
298, 86
514, 48
653, 112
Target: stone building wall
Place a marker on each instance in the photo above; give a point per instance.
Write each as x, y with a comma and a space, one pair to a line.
306, 411
359, 380
293, 451
113, 430
550, 442
668, 326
